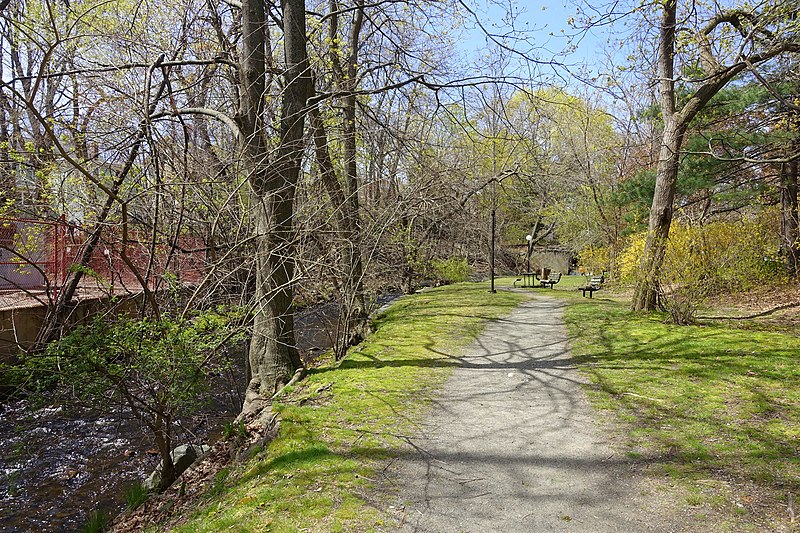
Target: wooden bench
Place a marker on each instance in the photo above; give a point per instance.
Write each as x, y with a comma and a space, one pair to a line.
595, 284
551, 280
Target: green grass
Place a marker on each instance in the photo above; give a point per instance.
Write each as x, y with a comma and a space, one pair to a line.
135, 495
344, 421
97, 522
702, 401
711, 408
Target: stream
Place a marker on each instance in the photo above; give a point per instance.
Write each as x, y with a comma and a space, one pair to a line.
57, 466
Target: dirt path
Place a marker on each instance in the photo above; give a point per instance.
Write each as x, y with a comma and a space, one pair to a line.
512, 445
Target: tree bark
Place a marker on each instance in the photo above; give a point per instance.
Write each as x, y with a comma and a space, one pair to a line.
647, 291
647, 284
790, 231
273, 357
354, 320
345, 198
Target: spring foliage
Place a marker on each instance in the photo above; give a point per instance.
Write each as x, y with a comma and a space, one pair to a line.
701, 260
451, 270
158, 368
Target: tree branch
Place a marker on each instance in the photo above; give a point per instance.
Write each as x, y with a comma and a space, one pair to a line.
219, 115
126, 66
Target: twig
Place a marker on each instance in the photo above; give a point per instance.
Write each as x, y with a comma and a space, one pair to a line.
299, 374
757, 315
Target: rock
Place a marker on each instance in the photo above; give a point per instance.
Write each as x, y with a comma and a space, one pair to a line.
153, 481
182, 457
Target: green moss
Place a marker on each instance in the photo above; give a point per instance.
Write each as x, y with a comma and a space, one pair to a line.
343, 421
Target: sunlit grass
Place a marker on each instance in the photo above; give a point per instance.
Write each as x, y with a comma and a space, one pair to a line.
708, 407
344, 420
704, 401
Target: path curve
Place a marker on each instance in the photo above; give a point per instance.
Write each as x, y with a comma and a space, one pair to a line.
512, 445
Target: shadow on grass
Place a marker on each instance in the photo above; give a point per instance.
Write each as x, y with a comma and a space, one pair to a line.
715, 401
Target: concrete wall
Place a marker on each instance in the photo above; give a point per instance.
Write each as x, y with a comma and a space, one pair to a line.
18, 328
556, 262
20, 325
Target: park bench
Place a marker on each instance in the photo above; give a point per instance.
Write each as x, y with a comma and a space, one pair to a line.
595, 284
551, 280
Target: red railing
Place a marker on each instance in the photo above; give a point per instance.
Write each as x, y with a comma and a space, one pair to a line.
128, 263
37, 255
32, 254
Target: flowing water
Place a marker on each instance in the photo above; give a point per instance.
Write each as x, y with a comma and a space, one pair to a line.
59, 465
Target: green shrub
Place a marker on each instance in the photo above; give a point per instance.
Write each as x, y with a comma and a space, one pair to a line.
97, 523
159, 369
451, 270
234, 430
135, 495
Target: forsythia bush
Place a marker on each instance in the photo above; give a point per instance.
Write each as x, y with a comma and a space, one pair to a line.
595, 259
725, 255
452, 270
630, 257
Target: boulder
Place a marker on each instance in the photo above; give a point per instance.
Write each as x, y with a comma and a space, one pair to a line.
182, 457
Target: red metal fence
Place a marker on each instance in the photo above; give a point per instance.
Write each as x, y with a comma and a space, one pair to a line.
36, 255
32, 254
129, 263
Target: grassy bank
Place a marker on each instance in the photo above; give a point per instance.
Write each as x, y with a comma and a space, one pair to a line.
714, 407
342, 423
712, 410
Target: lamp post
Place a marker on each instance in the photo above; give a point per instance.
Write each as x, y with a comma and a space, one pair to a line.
494, 181
491, 258
529, 238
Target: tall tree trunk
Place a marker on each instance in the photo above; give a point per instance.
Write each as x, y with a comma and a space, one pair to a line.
790, 233
355, 312
647, 289
273, 357
344, 194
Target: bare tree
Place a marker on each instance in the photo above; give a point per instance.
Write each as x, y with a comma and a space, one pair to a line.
273, 181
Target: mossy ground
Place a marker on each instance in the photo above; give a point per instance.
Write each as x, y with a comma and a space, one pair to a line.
344, 421
714, 411
715, 408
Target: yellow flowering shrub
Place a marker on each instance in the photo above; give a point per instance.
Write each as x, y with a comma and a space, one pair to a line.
722, 255
630, 257
595, 259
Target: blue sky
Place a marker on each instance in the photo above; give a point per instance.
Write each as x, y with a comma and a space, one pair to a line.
544, 25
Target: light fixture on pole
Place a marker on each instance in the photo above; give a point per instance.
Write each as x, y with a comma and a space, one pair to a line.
528, 238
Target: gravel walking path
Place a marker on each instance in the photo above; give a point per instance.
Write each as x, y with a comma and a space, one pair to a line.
512, 445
